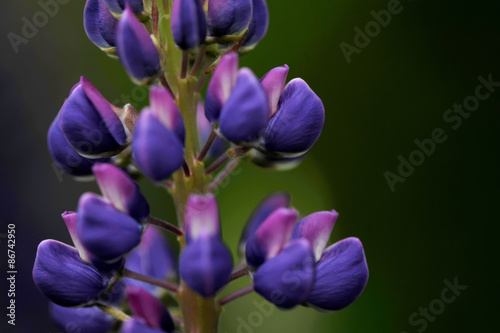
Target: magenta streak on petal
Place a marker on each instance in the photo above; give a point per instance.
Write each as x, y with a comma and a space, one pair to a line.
276, 231
202, 217
163, 107
115, 185
273, 83
70, 218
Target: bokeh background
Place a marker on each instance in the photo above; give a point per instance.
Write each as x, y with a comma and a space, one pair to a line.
441, 223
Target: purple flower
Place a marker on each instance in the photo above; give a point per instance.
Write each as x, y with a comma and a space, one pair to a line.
341, 276
153, 257
157, 150
286, 280
89, 123
121, 191
163, 107
228, 17
137, 52
298, 121
82, 320
136, 326
189, 26
245, 114
71, 221
270, 237
274, 83
220, 87
100, 25
258, 25
205, 263
66, 157
62, 276
149, 310
219, 146
106, 233
117, 6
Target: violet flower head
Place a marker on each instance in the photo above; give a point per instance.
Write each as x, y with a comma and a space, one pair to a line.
121, 191
65, 156
118, 6
258, 25
100, 25
188, 22
227, 18
105, 232
245, 114
83, 320
205, 263
341, 276
89, 123
62, 276
136, 50
286, 280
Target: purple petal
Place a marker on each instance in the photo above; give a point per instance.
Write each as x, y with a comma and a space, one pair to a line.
298, 122
105, 232
153, 257
65, 157
163, 107
119, 189
202, 217
270, 238
100, 24
135, 326
81, 320
316, 228
136, 50
228, 17
149, 309
62, 276
341, 276
117, 6
220, 86
157, 151
258, 25
246, 113
71, 218
268, 205
274, 83
188, 22
89, 123
206, 265
286, 280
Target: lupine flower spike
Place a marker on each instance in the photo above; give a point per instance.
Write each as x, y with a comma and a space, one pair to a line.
120, 270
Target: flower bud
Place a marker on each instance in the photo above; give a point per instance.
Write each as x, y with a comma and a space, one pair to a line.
220, 87
157, 150
188, 22
62, 276
258, 25
65, 157
149, 309
271, 236
245, 114
228, 18
121, 191
202, 218
286, 280
298, 121
265, 208
136, 50
219, 146
163, 107
206, 265
100, 25
118, 6
83, 320
316, 228
89, 123
341, 276
106, 233
153, 257
274, 83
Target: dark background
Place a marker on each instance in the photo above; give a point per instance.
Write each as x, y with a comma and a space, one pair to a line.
440, 224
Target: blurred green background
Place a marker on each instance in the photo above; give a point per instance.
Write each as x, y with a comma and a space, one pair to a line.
439, 224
